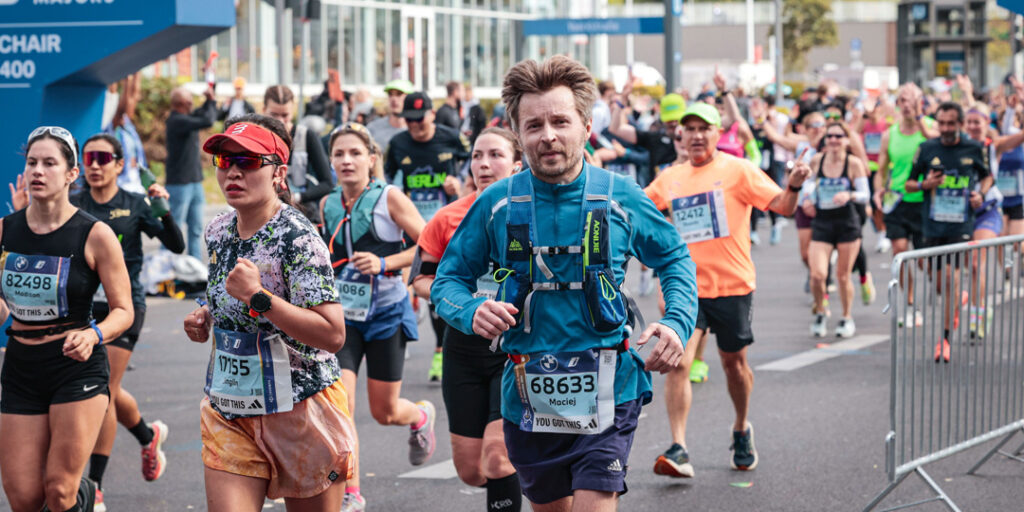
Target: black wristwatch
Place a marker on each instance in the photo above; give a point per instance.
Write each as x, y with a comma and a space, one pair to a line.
259, 303
795, 189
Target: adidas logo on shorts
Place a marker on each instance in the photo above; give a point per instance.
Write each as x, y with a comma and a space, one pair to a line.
615, 466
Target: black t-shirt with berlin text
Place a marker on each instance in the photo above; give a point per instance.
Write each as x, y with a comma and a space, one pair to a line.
946, 210
420, 168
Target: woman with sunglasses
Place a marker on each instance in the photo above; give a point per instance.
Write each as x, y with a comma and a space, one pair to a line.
275, 422
54, 382
472, 364
841, 180
364, 222
129, 215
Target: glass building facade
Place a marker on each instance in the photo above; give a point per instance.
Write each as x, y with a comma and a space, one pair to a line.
428, 42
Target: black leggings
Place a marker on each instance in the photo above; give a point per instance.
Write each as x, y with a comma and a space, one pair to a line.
861, 263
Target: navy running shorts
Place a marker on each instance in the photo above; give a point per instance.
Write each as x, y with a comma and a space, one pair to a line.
552, 466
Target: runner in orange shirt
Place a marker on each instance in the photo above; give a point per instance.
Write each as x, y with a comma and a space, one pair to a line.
709, 200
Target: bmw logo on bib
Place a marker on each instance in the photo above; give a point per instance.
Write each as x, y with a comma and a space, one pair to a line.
549, 363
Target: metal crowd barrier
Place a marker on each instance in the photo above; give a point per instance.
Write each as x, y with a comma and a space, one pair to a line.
940, 408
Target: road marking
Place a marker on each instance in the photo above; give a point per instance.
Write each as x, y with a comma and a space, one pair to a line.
818, 355
443, 470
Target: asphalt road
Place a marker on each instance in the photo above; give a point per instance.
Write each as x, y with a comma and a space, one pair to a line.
820, 427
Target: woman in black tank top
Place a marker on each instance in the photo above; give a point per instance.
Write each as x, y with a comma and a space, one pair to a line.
841, 180
54, 377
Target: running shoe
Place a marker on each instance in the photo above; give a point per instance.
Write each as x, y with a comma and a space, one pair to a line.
698, 371
744, 455
820, 326
421, 440
883, 244
353, 503
755, 239
675, 462
88, 491
846, 328
98, 505
776, 238
646, 282
942, 350
436, 367
153, 460
867, 291
914, 318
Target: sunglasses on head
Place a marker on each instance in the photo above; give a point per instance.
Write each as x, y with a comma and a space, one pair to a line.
832, 115
60, 133
244, 162
100, 157
818, 124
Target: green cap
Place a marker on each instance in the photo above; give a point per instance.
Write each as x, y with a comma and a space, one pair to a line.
704, 111
399, 85
672, 106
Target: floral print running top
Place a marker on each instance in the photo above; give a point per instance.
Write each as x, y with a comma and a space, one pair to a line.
295, 265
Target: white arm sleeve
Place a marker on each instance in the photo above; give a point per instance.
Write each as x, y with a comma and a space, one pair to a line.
861, 192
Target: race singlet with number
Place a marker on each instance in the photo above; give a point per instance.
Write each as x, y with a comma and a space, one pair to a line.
35, 286
428, 201
357, 293
1010, 183
828, 188
249, 373
568, 392
949, 205
700, 217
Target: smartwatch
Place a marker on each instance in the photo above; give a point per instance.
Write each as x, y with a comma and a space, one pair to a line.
259, 303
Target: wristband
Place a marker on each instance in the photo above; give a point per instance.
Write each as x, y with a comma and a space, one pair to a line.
383, 265
99, 333
795, 189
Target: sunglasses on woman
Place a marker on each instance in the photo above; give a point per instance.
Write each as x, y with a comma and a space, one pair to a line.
244, 162
100, 157
835, 136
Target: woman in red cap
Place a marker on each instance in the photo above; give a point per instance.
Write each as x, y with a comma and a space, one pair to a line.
275, 422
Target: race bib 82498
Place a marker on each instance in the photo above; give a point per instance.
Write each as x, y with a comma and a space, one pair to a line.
35, 286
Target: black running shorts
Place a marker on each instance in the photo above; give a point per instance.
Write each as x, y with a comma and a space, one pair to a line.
385, 358
471, 385
729, 318
34, 377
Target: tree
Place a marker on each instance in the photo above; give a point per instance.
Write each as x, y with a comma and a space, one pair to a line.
807, 24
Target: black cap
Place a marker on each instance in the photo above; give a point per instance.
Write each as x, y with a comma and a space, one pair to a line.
416, 106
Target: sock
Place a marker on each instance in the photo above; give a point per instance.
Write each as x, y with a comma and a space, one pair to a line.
863, 279
423, 420
97, 466
504, 494
142, 432
352, 490
945, 334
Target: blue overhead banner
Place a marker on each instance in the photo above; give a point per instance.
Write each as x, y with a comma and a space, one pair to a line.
591, 26
1014, 6
57, 57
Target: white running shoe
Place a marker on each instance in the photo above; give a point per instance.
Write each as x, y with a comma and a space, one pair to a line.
846, 328
883, 244
819, 329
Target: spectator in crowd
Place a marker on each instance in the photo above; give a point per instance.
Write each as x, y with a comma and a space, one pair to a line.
122, 128
475, 119
236, 105
602, 116
183, 167
448, 114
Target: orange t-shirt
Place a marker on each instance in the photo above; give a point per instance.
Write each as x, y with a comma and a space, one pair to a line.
710, 207
439, 231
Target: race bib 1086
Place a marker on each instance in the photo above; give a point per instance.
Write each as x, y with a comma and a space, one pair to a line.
35, 286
